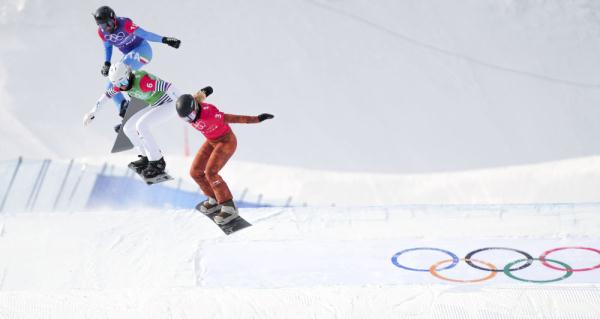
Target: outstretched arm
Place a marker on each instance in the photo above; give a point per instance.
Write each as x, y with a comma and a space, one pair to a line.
91, 115
203, 93
152, 37
232, 118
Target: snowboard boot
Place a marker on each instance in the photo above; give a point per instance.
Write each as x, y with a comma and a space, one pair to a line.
209, 206
154, 168
123, 108
228, 213
139, 165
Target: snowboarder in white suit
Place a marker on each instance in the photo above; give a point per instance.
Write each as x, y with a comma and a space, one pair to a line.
160, 97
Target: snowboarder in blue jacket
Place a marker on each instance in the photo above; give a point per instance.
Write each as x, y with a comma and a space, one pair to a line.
131, 40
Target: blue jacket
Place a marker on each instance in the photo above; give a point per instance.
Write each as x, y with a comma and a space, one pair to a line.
126, 37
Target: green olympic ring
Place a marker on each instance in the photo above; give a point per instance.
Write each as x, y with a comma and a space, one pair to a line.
568, 269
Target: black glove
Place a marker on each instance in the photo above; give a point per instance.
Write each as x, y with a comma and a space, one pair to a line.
123, 108
171, 42
207, 90
105, 68
265, 116
117, 128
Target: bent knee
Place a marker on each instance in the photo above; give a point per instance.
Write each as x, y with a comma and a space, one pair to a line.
141, 127
197, 173
129, 129
212, 174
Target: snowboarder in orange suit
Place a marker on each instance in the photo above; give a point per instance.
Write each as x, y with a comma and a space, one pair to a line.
218, 148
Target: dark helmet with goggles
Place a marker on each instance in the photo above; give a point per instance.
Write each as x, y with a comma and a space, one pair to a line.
187, 108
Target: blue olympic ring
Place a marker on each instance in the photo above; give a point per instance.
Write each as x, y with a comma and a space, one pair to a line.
455, 258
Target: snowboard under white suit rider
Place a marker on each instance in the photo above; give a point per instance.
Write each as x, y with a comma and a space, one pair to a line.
160, 97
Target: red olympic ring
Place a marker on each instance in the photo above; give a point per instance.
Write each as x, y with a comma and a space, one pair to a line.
548, 252
491, 274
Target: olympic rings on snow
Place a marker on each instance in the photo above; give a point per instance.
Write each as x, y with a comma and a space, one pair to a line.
492, 269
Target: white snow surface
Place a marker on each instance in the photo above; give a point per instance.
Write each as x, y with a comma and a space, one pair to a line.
378, 86
295, 263
317, 261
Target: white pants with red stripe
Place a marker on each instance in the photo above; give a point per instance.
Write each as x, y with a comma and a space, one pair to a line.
137, 127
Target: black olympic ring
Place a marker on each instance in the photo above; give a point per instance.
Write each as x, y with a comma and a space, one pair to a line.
527, 256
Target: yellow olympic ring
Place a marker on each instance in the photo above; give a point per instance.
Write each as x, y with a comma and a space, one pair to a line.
491, 275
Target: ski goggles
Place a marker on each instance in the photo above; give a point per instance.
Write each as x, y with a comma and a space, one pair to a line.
123, 83
106, 26
191, 117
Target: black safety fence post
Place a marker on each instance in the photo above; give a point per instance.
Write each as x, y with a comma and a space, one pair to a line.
10, 184
35, 185
62, 185
76, 186
260, 196
42, 176
244, 192
288, 202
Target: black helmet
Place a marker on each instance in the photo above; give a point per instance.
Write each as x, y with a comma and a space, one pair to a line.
187, 108
106, 19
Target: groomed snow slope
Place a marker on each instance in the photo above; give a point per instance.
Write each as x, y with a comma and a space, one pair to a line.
297, 263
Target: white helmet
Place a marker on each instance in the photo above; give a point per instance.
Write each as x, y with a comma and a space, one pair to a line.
119, 74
